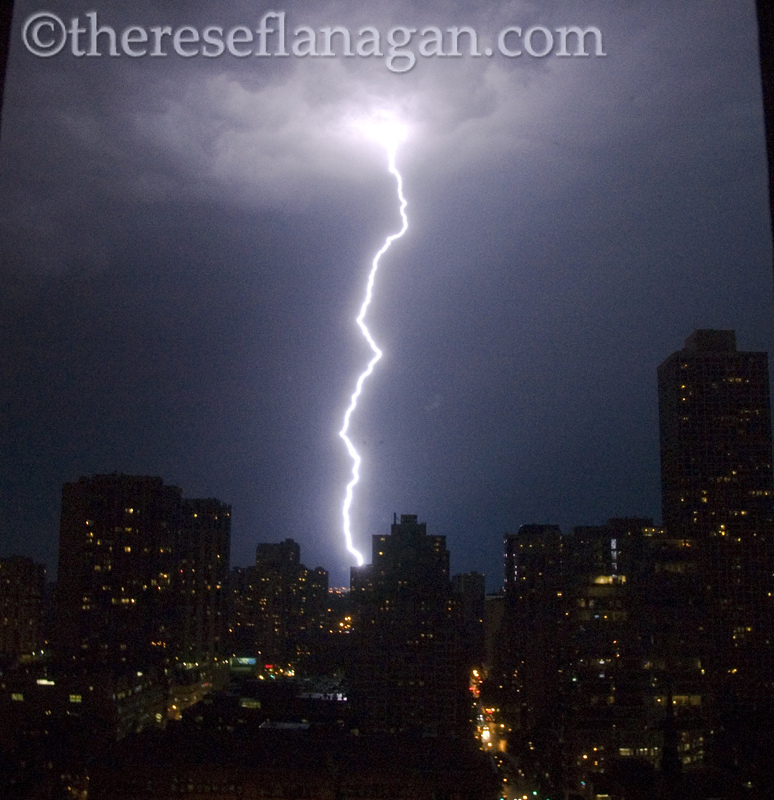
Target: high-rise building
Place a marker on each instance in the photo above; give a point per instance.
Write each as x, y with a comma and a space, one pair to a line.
531, 554
407, 562
291, 600
531, 635
469, 591
243, 587
278, 556
633, 648
22, 584
279, 609
410, 671
116, 562
717, 493
598, 664
202, 581
715, 424
142, 573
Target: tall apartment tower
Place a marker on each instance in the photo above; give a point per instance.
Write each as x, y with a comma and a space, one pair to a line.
410, 672
289, 602
715, 425
717, 492
529, 647
22, 584
116, 561
407, 562
143, 573
202, 578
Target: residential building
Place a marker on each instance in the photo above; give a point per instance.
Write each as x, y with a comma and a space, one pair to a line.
22, 585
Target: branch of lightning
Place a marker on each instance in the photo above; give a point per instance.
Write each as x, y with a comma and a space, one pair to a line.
390, 141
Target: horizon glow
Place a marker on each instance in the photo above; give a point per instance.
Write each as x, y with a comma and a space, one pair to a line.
389, 133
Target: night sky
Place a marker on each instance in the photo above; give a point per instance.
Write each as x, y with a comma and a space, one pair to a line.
184, 244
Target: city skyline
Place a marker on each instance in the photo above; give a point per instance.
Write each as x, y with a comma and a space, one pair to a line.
698, 351
185, 241
623, 660
716, 463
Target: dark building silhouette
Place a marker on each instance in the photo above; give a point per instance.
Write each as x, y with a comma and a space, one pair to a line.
115, 594
407, 562
717, 490
494, 627
22, 585
598, 669
202, 581
243, 613
279, 764
278, 556
633, 650
410, 670
47, 708
531, 641
142, 574
469, 593
291, 604
715, 420
715, 424
636, 660
279, 609
140, 619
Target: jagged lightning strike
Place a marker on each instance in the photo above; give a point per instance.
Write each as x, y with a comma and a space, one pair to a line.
390, 134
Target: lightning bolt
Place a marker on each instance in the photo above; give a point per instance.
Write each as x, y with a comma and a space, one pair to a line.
376, 354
